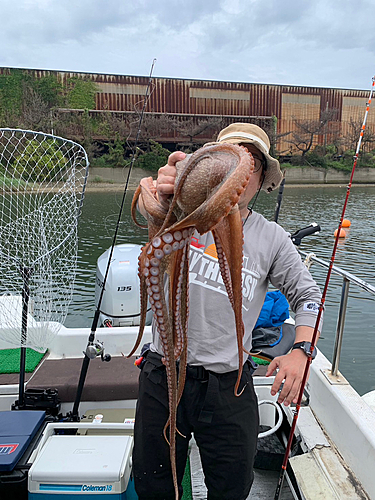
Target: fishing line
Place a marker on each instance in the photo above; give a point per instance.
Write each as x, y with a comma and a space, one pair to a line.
132, 146
321, 307
95, 349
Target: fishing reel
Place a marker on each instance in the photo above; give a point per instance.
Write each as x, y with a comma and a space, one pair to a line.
95, 349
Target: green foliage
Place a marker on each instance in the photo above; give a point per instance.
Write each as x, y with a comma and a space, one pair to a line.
327, 157
366, 160
11, 92
339, 165
11, 182
287, 165
98, 179
315, 160
114, 158
100, 161
40, 161
81, 94
17, 87
330, 150
50, 90
296, 161
154, 159
25, 100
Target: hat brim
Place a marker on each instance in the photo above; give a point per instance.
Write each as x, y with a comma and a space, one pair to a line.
274, 175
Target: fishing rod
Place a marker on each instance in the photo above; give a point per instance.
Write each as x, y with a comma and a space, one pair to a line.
279, 199
321, 307
95, 349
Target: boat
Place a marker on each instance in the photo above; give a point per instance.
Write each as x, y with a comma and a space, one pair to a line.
334, 447
80, 418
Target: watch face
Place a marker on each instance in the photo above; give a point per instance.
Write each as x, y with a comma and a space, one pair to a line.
306, 347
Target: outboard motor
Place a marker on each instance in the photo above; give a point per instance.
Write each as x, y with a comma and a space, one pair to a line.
121, 299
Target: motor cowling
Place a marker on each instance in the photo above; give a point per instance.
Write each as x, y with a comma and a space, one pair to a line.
120, 304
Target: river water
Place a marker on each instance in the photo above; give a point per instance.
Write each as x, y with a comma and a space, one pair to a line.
300, 207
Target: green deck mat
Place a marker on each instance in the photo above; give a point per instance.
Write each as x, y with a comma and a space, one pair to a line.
259, 361
186, 483
10, 360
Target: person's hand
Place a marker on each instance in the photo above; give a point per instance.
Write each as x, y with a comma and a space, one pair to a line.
291, 368
167, 176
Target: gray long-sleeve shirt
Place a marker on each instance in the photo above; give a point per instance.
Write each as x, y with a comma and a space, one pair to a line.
269, 257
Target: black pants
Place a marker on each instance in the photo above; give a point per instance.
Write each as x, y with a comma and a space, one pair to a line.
225, 428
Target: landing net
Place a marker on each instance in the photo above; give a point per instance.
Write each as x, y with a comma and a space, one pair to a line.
42, 184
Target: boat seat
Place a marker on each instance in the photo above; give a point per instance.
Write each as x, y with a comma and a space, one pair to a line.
113, 381
12, 378
116, 380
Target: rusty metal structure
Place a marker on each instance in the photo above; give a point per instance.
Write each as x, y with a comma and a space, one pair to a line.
281, 109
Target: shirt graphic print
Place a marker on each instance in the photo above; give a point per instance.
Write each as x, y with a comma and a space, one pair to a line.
204, 271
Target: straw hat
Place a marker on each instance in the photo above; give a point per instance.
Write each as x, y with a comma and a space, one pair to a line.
248, 133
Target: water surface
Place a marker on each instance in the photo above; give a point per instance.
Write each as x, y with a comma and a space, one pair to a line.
300, 207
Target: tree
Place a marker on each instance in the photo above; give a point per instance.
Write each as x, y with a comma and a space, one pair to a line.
306, 131
154, 126
153, 159
81, 94
352, 135
193, 127
35, 111
26, 100
40, 161
11, 93
110, 124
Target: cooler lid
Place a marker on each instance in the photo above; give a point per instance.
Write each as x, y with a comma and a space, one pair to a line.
17, 429
79, 458
11, 450
20, 422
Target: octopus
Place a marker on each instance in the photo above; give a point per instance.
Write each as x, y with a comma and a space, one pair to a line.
208, 186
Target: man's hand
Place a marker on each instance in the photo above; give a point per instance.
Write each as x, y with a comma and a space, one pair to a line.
167, 176
291, 368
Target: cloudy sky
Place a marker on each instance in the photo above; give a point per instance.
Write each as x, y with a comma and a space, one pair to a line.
325, 43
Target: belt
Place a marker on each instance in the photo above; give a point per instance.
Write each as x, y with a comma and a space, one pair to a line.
200, 373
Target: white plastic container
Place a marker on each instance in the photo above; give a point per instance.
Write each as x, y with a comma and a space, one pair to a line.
90, 466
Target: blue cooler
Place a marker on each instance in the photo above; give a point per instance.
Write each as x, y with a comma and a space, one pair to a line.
19, 431
74, 467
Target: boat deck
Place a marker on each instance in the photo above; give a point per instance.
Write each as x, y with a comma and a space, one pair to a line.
118, 381
264, 486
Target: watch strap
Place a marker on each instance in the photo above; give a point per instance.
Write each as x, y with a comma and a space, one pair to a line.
305, 346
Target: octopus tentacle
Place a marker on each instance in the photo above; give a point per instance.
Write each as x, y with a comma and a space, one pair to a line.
160, 252
229, 230
133, 209
180, 292
207, 189
180, 323
224, 269
156, 211
142, 260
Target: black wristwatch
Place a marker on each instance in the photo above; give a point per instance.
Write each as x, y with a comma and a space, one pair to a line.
305, 346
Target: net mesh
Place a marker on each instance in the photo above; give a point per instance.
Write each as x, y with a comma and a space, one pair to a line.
42, 184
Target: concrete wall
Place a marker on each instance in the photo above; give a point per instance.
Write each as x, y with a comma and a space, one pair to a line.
297, 175
309, 175
119, 175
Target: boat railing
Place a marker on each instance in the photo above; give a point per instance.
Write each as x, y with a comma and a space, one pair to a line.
347, 278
